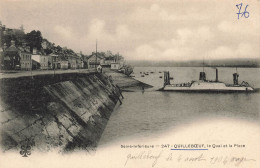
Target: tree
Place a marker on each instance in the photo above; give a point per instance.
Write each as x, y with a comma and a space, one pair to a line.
17, 36
109, 53
48, 51
34, 39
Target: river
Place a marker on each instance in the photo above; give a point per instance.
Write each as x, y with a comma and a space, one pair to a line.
151, 114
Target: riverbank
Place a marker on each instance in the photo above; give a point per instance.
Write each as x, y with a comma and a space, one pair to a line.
68, 111
15, 74
126, 83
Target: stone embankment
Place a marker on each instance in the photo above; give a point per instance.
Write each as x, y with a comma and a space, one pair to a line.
64, 111
126, 83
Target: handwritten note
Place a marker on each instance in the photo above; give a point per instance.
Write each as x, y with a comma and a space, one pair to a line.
160, 157
242, 13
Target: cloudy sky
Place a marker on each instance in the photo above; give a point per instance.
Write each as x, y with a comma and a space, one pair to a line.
143, 29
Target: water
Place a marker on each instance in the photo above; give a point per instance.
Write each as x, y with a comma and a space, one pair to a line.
150, 114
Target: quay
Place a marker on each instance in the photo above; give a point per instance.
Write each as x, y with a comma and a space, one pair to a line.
67, 110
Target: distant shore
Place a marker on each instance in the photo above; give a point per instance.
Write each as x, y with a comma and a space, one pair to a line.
245, 63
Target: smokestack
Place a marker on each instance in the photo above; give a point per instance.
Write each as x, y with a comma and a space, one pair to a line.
166, 78
202, 76
216, 75
235, 78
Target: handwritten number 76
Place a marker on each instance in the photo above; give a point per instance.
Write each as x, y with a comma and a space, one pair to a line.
245, 13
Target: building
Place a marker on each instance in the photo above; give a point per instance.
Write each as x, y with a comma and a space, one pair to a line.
108, 61
11, 58
80, 60
16, 58
85, 61
72, 62
94, 61
44, 62
115, 66
26, 59
63, 64
53, 61
40, 59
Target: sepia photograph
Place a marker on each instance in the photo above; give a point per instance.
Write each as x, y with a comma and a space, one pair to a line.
119, 83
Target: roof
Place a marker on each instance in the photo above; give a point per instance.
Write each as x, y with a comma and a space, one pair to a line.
36, 58
12, 49
99, 56
53, 55
110, 58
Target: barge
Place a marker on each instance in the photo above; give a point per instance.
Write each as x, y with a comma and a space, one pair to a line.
204, 85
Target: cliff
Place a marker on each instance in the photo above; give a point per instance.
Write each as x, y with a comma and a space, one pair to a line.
65, 111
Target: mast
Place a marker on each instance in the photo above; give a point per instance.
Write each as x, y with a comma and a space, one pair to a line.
203, 64
96, 57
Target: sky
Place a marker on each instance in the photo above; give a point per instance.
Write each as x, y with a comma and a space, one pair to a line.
177, 30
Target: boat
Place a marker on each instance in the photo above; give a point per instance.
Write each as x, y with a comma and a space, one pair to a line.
126, 69
204, 85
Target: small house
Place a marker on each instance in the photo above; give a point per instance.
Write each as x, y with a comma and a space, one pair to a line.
94, 61
115, 66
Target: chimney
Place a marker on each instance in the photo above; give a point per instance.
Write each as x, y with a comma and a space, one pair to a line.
34, 51
235, 78
216, 75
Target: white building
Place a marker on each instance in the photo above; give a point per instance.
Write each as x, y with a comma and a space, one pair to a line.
43, 60
115, 66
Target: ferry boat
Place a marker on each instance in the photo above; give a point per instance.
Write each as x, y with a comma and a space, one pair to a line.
204, 85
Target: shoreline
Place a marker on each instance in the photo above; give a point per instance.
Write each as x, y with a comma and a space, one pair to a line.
126, 83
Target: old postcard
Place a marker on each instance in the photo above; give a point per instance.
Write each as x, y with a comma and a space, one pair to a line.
140, 83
